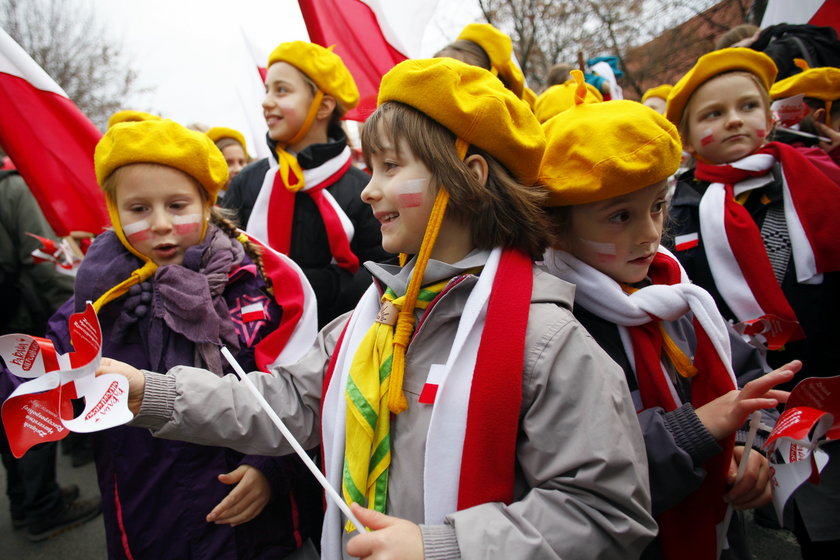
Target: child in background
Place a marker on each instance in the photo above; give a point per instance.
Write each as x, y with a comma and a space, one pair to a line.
304, 199
609, 165
232, 145
172, 283
656, 97
482, 45
504, 430
821, 88
755, 224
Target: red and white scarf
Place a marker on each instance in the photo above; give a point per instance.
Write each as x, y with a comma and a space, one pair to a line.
476, 408
298, 326
689, 529
278, 203
734, 249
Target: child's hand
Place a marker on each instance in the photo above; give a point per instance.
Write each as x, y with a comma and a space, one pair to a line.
754, 489
390, 538
136, 380
245, 501
728, 412
830, 133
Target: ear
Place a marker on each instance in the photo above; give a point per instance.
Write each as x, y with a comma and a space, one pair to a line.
819, 115
326, 108
478, 167
687, 147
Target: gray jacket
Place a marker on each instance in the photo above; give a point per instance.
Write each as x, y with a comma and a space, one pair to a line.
581, 488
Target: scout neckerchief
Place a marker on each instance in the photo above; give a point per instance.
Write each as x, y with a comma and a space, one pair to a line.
288, 180
688, 529
733, 245
367, 446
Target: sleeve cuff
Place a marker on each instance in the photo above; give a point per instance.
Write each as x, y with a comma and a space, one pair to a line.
440, 542
158, 401
691, 435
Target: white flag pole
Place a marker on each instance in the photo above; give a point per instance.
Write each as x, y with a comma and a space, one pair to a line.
291, 439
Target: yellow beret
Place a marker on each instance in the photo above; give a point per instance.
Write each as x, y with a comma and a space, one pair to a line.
819, 83
499, 49
218, 132
130, 116
164, 142
557, 99
597, 151
474, 105
717, 62
323, 67
658, 91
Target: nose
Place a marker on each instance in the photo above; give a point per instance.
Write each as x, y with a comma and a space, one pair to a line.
371, 193
160, 221
267, 101
733, 119
650, 230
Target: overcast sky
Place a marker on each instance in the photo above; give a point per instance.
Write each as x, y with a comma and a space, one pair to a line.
192, 52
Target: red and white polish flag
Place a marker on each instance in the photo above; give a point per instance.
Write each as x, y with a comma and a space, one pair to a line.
51, 143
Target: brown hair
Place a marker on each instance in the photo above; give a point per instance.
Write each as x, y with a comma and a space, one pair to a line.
502, 212
558, 74
736, 34
223, 143
466, 51
762, 92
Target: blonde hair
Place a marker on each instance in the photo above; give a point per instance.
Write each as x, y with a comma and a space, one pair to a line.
502, 212
762, 92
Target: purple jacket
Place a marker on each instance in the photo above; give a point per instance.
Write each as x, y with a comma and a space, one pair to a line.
156, 493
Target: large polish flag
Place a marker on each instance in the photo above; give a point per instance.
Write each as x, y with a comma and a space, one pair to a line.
51, 143
370, 36
825, 13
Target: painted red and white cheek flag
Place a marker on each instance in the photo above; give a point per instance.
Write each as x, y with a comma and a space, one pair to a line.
41, 409
51, 143
794, 447
370, 36
825, 13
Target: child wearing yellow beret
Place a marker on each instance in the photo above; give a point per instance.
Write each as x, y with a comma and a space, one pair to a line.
483, 45
172, 283
232, 145
608, 166
656, 97
820, 88
303, 200
460, 401
755, 224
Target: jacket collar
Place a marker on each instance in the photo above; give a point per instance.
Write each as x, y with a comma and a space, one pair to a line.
315, 154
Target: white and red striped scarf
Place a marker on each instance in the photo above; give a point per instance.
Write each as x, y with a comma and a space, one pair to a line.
278, 203
689, 529
299, 320
733, 245
484, 366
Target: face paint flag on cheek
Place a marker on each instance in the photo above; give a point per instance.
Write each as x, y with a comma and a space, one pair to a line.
605, 251
137, 231
760, 133
185, 225
412, 193
707, 138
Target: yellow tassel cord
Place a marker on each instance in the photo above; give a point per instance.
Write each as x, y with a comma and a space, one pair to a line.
405, 322
681, 362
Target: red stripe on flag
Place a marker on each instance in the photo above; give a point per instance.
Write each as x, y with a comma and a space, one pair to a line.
352, 27
51, 143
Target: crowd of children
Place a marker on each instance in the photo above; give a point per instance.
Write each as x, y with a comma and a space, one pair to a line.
531, 344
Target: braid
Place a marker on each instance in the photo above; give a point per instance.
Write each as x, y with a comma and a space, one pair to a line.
223, 219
